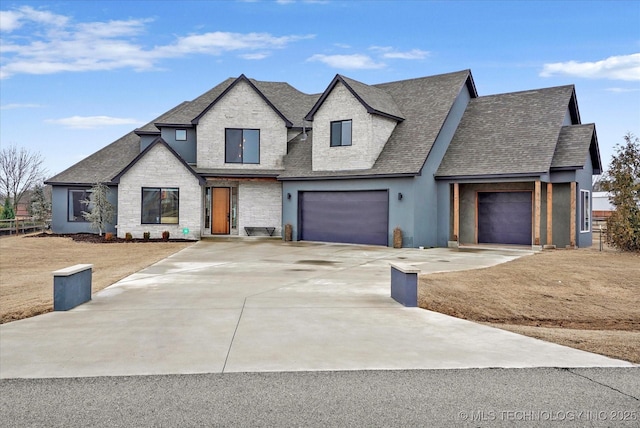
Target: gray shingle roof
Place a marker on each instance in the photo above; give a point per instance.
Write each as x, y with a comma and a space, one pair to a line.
152, 128
103, 165
514, 133
375, 100
185, 114
573, 146
293, 104
425, 104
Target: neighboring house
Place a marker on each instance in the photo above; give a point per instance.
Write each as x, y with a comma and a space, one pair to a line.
351, 164
602, 206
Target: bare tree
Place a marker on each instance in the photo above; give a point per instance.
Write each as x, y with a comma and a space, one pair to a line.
20, 170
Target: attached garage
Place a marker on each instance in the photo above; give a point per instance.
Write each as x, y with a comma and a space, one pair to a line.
504, 218
355, 217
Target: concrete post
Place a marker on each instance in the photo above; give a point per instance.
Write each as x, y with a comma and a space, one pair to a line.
404, 284
71, 287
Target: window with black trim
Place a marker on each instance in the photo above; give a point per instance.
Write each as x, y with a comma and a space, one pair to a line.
585, 211
242, 145
160, 205
341, 133
75, 205
181, 135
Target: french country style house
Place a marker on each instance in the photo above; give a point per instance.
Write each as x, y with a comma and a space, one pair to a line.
426, 155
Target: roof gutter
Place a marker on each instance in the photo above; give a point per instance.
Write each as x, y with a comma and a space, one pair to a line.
347, 177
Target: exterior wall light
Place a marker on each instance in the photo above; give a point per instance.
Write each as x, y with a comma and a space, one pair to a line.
399, 196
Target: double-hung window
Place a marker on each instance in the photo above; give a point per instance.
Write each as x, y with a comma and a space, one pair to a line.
341, 133
75, 205
160, 205
585, 211
242, 146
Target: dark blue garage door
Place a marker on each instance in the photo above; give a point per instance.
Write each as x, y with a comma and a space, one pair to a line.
349, 217
504, 218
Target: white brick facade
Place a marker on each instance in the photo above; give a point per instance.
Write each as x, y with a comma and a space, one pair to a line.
241, 108
260, 204
159, 168
369, 133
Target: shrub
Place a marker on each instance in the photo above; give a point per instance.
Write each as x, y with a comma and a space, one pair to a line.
128, 237
146, 236
623, 184
165, 235
108, 236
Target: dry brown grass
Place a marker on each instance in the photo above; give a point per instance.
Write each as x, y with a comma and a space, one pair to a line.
583, 298
26, 263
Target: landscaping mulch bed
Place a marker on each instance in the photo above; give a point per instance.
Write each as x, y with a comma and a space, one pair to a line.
94, 238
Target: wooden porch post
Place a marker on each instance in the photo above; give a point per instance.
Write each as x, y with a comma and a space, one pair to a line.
536, 228
549, 214
572, 222
456, 211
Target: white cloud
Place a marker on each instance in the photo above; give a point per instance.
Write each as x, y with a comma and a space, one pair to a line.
9, 20
254, 56
91, 122
349, 62
19, 106
391, 53
412, 54
59, 45
622, 67
623, 90
215, 43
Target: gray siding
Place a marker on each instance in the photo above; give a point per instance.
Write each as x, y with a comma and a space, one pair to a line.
186, 149
583, 179
432, 224
59, 211
561, 228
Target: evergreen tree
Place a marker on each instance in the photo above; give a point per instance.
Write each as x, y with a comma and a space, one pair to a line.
101, 211
39, 208
7, 211
623, 184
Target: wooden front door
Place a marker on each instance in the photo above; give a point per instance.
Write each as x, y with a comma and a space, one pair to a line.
220, 210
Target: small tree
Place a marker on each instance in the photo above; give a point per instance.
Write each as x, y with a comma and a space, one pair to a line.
623, 184
40, 207
101, 211
7, 210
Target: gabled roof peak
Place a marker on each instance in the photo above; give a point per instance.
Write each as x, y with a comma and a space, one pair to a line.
156, 142
242, 78
373, 99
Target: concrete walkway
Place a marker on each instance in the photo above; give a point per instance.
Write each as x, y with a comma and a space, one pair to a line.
264, 305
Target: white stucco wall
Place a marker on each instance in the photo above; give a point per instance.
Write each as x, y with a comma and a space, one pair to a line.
241, 108
260, 204
369, 133
159, 168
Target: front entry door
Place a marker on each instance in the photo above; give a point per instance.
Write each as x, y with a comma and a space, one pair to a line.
220, 210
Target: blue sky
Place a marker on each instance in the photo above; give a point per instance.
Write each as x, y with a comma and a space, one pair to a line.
76, 75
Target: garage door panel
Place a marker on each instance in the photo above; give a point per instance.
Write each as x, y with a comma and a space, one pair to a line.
347, 217
504, 218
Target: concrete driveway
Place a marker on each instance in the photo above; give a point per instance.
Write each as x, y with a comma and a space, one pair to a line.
265, 305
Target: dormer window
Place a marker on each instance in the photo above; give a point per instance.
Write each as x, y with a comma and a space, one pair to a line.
242, 146
181, 135
341, 133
